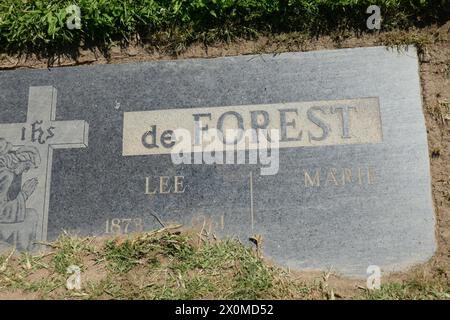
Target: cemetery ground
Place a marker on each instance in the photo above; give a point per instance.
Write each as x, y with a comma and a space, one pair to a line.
177, 263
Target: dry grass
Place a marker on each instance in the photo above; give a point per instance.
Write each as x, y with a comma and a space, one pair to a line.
168, 264
163, 264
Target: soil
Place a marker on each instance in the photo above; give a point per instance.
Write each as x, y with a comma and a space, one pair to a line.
434, 48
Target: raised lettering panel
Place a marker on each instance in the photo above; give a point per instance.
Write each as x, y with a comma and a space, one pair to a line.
301, 124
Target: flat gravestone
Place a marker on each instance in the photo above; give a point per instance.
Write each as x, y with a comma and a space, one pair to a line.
328, 161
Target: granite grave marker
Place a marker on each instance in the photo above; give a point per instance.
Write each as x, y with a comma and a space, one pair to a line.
95, 150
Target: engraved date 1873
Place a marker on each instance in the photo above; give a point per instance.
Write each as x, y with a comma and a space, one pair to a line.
124, 225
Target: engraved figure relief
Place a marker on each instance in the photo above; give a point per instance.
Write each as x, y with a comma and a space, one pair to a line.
26, 162
18, 223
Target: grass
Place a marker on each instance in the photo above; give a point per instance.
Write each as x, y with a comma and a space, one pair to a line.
159, 265
40, 26
166, 264
440, 111
398, 38
224, 269
447, 69
418, 287
69, 252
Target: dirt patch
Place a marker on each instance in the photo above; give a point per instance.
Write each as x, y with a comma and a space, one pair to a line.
17, 295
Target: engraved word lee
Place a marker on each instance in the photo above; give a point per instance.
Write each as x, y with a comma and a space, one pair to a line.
164, 185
